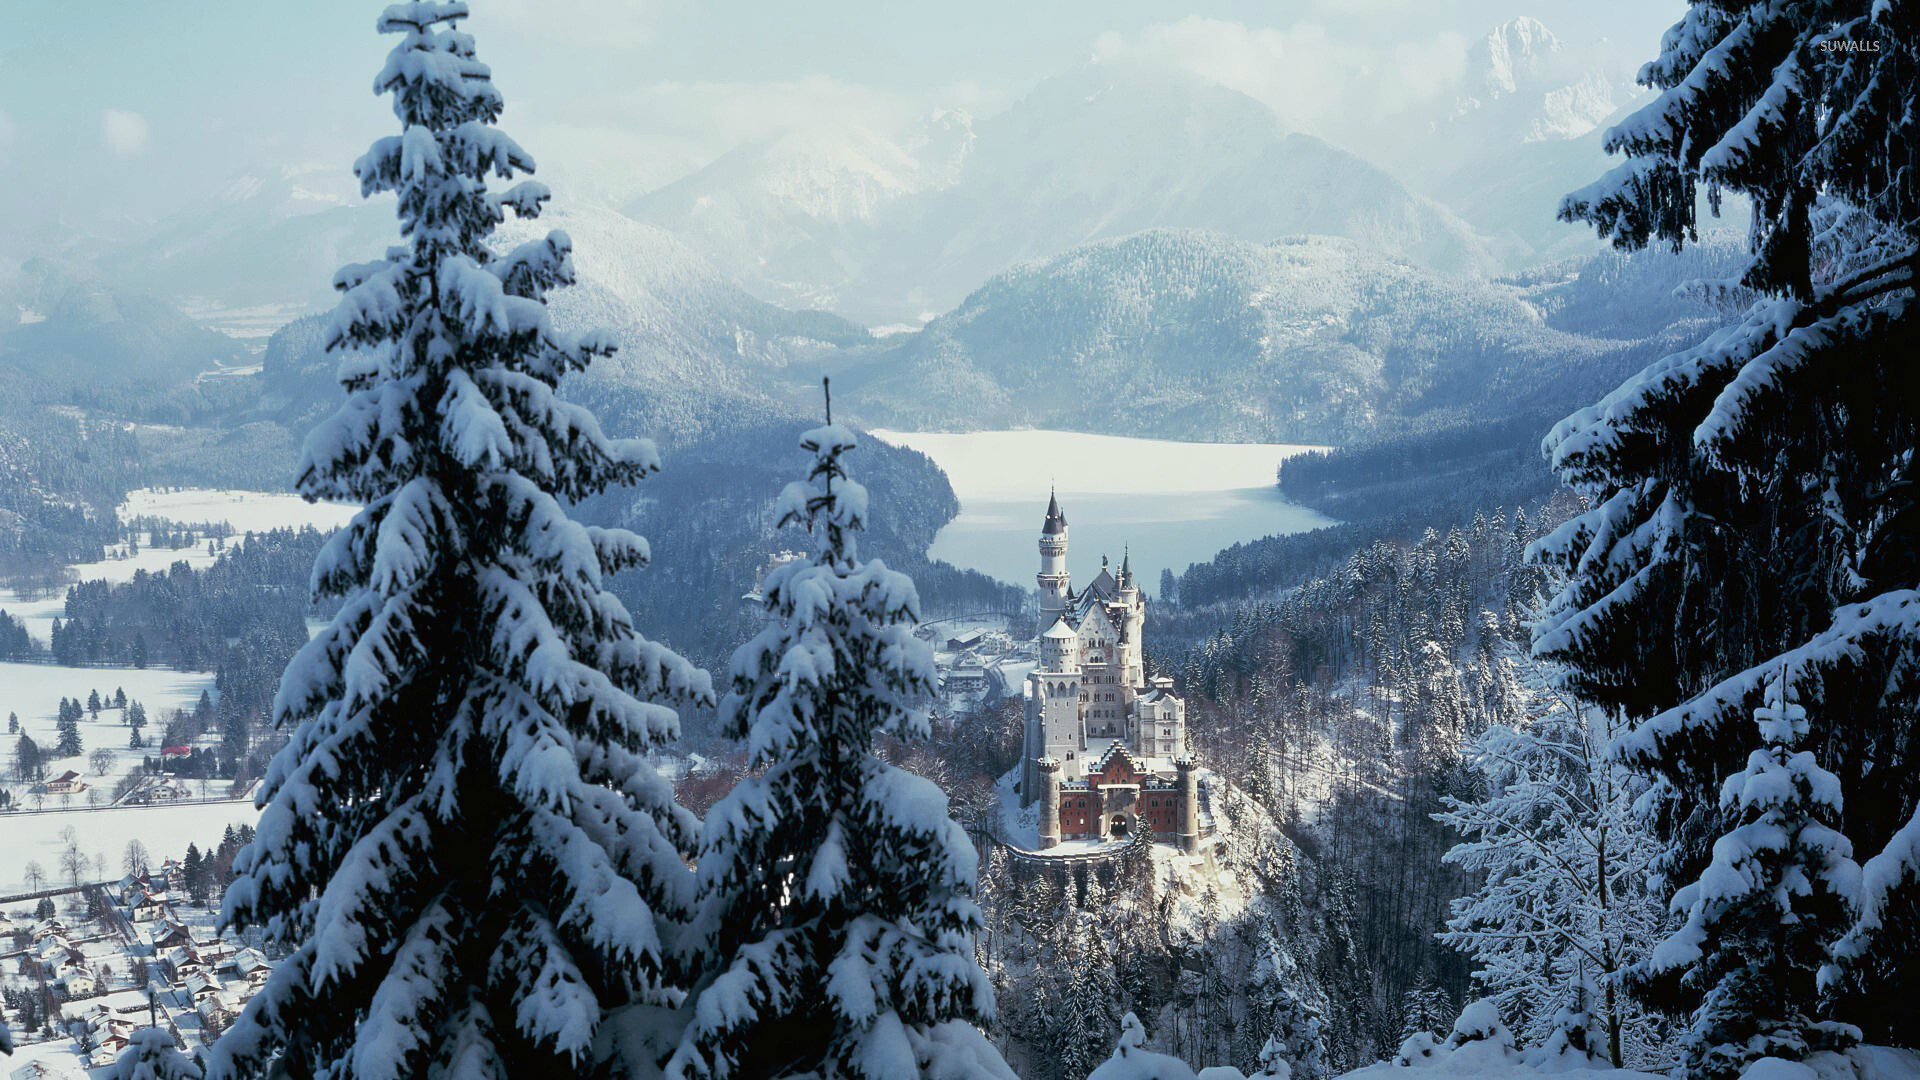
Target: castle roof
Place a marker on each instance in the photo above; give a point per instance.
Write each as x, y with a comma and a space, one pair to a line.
1058, 630
1056, 521
1103, 587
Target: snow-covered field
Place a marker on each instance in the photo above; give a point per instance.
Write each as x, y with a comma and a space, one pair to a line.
1169, 503
33, 692
246, 511
165, 828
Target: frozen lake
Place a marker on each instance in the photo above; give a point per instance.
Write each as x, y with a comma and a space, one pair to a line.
1170, 503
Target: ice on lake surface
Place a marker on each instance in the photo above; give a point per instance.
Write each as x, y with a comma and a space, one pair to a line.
1169, 503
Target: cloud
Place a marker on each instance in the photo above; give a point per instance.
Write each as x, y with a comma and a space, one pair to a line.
1336, 83
620, 144
124, 132
580, 24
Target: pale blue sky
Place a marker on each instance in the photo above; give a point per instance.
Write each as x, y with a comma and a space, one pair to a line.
135, 108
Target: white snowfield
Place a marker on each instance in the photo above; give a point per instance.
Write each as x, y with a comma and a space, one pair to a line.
33, 692
246, 511
1168, 503
165, 829
1861, 1063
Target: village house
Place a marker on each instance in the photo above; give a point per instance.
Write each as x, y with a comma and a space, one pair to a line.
79, 982
169, 934
106, 1049
67, 783
201, 987
148, 907
248, 964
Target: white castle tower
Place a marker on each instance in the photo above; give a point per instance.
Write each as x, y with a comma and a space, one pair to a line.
1055, 583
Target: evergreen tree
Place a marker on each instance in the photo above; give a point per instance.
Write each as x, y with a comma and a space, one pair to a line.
1562, 904
152, 1054
462, 845
1424, 1008
193, 871
1272, 1062
69, 728
836, 924
1761, 917
1753, 498
1297, 1024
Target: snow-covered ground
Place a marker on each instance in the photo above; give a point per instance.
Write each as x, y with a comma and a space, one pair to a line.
251, 325
1170, 503
246, 511
165, 829
33, 693
1861, 1063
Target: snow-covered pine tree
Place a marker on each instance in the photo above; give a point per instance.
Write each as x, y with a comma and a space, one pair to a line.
1760, 920
462, 845
1562, 907
1756, 494
836, 921
1272, 1062
1424, 1007
152, 1054
1297, 1025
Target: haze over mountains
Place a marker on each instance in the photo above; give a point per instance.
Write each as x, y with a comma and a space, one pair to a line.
1158, 242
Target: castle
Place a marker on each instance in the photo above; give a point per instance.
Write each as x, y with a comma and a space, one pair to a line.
1105, 746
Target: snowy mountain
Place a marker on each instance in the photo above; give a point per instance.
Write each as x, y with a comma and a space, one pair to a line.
791, 217
263, 240
681, 323
1114, 148
895, 230
67, 325
1201, 335
1524, 79
1524, 130
693, 345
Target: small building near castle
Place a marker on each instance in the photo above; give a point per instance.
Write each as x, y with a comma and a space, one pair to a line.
1105, 746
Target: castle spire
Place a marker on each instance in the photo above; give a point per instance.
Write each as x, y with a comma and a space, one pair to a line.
1056, 521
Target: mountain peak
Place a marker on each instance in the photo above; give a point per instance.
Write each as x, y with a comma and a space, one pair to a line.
1514, 52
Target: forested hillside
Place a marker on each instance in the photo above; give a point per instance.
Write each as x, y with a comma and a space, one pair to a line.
1178, 333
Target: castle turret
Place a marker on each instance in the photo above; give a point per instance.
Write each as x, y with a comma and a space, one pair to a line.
1049, 801
1059, 648
1053, 578
1188, 837
1135, 622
